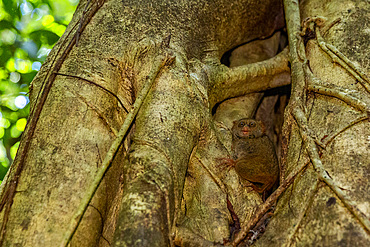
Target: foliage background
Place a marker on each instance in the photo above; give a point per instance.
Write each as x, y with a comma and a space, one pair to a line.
28, 31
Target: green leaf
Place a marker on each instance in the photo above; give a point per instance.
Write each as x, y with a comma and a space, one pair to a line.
6, 25
3, 170
27, 77
6, 54
44, 36
11, 8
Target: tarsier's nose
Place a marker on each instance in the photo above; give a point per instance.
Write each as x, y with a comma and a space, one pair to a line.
245, 129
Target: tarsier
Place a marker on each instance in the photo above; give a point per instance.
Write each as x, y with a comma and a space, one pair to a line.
254, 157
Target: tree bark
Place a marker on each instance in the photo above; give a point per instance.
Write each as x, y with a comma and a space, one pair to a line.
164, 186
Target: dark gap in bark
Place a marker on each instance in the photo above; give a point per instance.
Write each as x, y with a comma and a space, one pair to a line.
225, 59
216, 106
283, 40
271, 112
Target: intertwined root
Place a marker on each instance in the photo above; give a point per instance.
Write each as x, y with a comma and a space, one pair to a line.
297, 110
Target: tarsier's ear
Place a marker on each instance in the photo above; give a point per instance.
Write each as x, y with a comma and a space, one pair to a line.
262, 126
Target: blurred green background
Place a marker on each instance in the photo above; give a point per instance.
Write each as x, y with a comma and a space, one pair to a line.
28, 31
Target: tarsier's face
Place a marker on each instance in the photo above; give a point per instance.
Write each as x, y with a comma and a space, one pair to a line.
248, 128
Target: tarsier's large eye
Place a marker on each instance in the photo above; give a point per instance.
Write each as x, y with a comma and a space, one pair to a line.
241, 124
252, 124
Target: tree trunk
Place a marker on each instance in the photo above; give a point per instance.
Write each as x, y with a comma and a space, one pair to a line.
158, 62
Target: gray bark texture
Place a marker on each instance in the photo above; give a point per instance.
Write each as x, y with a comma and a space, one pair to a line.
165, 185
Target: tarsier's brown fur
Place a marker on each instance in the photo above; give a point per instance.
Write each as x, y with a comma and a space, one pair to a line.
254, 157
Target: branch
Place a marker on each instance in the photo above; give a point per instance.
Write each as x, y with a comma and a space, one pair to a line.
159, 63
250, 78
79, 30
293, 19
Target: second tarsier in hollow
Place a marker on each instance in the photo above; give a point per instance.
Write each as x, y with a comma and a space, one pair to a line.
254, 156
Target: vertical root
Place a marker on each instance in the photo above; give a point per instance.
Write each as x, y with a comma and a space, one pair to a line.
159, 63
